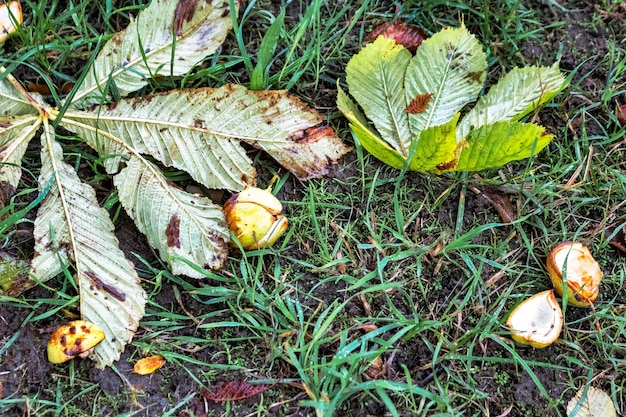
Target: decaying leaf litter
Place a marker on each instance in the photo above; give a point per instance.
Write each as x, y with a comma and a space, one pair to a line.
197, 131
99, 284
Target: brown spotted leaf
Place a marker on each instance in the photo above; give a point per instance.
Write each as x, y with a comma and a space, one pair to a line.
193, 29
200, 131
409, 36
70, 225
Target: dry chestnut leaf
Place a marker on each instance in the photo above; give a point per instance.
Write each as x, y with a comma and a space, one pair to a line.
409, 36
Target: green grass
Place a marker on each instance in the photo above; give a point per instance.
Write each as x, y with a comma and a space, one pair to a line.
416, 270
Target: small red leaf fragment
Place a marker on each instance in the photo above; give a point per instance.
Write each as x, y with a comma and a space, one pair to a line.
409, 36
621, 114
148, 365
234, 390
418, 104
173, 232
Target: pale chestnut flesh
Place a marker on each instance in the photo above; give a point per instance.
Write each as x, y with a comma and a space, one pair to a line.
571, 264
10, 18
254, 218
537, 321
73, 339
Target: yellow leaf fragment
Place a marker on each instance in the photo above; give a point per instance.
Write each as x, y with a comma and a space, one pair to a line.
148, 365
595, 404
73, 339
10, 18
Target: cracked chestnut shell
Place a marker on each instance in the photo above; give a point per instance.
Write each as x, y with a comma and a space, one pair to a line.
537, 321
571, 266
73, 339
254, 218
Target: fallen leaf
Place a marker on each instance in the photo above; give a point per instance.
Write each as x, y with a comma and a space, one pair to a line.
234, 390
595, 404
500, 202
409, 36
148, 365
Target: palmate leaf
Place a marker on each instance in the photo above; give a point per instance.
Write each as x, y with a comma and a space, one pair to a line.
514, 96
201, 137
446, 73
167, 38
199, 131
450, 69
71, 225
499, 143
375, 78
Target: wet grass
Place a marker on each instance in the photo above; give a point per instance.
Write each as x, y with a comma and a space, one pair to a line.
389, 291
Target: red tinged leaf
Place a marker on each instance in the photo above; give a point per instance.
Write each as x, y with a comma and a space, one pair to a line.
234, 390
409, 36
418, 104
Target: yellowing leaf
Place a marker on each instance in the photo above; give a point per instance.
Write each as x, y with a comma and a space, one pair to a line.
149, 365
591, 402
375, 78
364, 133
404, 100
496, 144
436, 146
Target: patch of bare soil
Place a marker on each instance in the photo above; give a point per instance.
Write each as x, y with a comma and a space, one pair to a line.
25, 372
